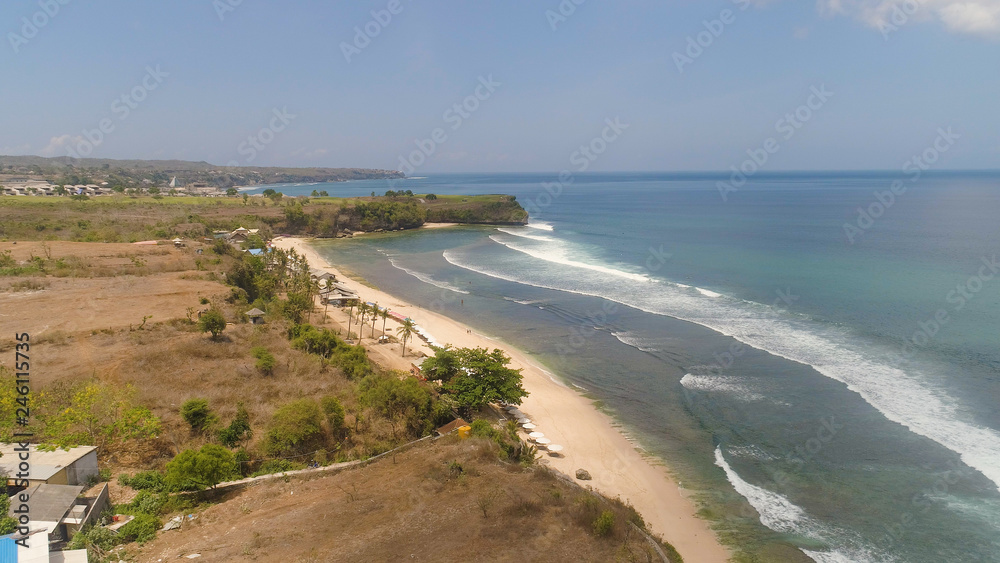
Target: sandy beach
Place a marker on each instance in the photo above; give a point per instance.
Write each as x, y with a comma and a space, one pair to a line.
590, 438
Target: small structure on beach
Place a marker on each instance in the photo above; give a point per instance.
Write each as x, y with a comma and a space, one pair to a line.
256, 316
178, 242
451, 426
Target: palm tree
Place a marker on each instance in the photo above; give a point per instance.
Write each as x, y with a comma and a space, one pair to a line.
384, 313
362, 315
350, 316
375, 311
405, 332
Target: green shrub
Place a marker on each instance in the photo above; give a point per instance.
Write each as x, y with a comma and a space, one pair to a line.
242, 460
277, 466
334, 412
604, 524
265, 360
94, 536
141, 529
198, 469
293, 429
144, 481
212, 321
146, 502
197, 413
238, 430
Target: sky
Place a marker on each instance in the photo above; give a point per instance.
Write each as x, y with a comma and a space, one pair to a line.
506, 85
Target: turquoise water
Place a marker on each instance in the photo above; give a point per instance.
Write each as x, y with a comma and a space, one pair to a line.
829, 392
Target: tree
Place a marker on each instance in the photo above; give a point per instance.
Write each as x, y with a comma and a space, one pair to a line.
397, 400
245, 198
294, 427
154, 191
443, 365
212, 321
431, 197
405, 331
315, 193
7, 524
238, 430
324, 193
334, 412
204, 468
350, 316
197, 413
265, 360
362, 315
232, 192
384, 313
484, 377
374, 311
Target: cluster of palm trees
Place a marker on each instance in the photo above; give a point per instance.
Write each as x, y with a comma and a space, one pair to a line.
372, 313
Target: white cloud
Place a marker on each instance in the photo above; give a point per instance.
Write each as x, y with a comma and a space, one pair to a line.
979, 17
57, 145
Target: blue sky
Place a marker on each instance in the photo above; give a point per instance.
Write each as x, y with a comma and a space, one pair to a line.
553, 89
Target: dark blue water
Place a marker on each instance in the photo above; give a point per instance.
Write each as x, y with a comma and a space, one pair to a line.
825, 379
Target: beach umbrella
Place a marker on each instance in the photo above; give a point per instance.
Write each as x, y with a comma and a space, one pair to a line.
536, 435
528, 426
554, 448
523, 420
543, 441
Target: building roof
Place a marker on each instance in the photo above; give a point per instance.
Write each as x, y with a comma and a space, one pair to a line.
457, 423
255, 312
43, 464
50, 503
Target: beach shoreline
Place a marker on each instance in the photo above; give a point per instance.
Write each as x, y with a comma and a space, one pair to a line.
591, 438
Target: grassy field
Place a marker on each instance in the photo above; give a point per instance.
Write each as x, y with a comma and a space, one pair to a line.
447, 500
132, 219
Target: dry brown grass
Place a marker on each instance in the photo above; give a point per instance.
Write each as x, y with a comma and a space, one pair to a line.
421, 505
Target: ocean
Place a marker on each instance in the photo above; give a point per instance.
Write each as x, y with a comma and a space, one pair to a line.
814, 353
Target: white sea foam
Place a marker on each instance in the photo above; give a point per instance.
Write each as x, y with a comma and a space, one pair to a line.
520, 301
708, 293
731, 385
634, 340
557, 253
524, 234
905, 398
540, 226
781, 515
426, 279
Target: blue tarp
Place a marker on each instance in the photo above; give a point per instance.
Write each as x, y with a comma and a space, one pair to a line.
8, 550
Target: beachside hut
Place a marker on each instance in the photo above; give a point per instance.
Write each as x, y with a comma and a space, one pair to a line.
451, 426
256, 316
